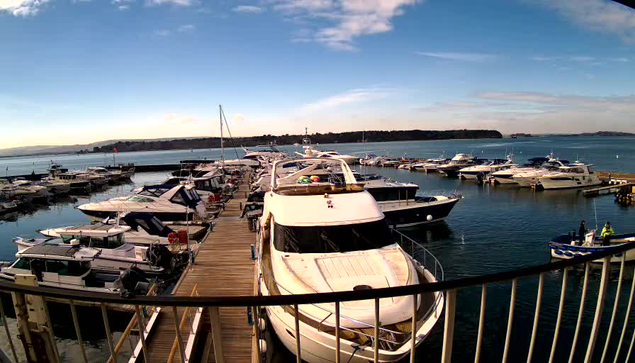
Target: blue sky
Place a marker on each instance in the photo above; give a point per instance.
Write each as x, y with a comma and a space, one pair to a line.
78, 71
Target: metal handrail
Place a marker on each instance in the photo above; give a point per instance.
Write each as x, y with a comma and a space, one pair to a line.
315, 298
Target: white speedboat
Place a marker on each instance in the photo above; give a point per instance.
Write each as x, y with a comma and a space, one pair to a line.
576, 175
168, 203
139, 229
429, 166
319, 237
482, 171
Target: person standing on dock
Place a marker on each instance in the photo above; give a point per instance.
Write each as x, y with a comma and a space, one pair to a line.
582, 232
607, 232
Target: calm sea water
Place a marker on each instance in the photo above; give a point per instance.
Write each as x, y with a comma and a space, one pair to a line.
495, 228
607, 153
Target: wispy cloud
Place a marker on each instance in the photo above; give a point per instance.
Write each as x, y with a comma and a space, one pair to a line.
175, 118
338, 23
163, 32
596, 15
172, 2
357, 95
248, 9
462, 57
187, 28
537, 112
22, 7
122, 4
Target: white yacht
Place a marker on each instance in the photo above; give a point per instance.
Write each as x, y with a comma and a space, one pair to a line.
318, 237
576, 175
168, 203
458, 162
485, 170
530, 177
429, 166
139, 229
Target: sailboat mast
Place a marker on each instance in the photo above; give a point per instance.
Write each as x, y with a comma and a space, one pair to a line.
222, 142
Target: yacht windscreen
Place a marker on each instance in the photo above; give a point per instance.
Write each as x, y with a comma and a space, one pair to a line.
328, 239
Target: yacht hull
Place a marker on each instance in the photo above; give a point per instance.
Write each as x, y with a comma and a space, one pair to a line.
505, 180
403, 214
549, 183
100, 215
567, 251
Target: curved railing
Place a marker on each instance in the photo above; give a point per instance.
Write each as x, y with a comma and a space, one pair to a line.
449, 288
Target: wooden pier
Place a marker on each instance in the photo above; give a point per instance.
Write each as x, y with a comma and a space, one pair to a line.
223, 267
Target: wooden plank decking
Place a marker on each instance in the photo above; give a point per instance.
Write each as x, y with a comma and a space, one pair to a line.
223, 267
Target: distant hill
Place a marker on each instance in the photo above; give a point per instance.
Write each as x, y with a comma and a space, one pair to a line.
593, 134
328, 138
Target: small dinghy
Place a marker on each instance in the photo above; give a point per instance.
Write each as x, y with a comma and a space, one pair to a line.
567, 246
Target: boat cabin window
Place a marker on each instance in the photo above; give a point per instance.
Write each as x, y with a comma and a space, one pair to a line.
22, 263
139, 199
67, 268
328, 239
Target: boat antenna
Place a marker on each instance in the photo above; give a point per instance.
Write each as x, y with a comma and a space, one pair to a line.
595, 208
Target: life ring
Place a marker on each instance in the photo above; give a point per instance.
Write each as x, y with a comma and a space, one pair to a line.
173, 238
211, 198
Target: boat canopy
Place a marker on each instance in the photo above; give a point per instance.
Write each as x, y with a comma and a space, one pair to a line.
148, 222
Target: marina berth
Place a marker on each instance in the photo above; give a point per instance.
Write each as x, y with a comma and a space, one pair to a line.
330, 235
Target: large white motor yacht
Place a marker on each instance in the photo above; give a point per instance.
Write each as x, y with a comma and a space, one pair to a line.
168, 203
321, 236
458, 162
576, 175
476, 171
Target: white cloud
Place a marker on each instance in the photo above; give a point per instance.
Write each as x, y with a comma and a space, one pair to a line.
163, 32
123, 7
174, 118
358, 95
337, 23
248, 9
238, 117
597, 15
22, 7
187, 28
463, 57
172, 2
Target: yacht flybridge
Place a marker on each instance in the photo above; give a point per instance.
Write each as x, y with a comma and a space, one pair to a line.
326, 234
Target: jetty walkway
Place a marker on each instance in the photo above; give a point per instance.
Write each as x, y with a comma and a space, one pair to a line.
223, 267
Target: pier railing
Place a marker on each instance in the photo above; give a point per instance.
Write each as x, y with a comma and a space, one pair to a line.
616, 329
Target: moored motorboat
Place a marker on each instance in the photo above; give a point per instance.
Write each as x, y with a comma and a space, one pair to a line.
576, 175
320, 236
567, 246
458, 162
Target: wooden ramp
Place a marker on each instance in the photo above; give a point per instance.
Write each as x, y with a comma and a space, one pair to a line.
613, 188
223, 267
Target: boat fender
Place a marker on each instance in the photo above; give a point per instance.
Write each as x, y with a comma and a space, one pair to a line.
173, 238
263, 346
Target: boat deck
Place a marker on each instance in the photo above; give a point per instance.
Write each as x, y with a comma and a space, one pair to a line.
223, 267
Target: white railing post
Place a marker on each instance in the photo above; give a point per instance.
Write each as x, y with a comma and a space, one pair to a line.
78, 332
585, 285
142, 331
104, 315
214, 318
534, 331
626, 316
413, 323
563, 294
510, 320
481, 324
448, 330
615, 306
604, 282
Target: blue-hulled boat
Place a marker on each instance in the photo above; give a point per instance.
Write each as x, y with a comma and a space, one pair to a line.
567, 246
